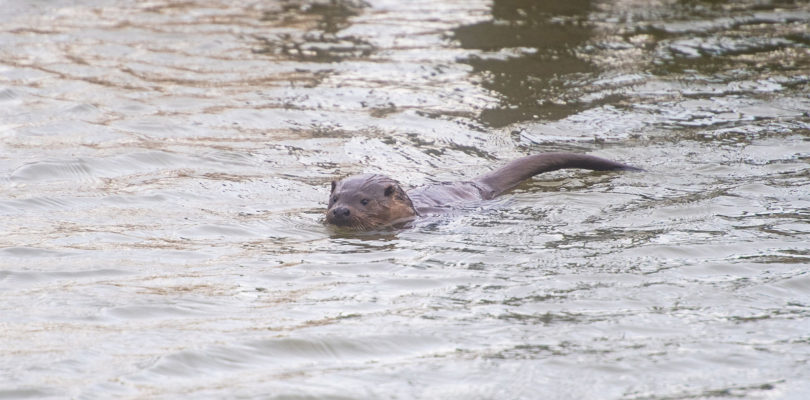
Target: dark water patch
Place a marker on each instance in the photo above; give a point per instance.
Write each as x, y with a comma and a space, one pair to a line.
321, 41
716, 38
328, 16
552, 81
528, 54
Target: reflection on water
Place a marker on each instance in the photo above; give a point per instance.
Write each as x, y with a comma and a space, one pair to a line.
549, 60
164, 168
321, 41
530, 57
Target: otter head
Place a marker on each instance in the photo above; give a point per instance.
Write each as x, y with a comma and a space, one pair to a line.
368, 202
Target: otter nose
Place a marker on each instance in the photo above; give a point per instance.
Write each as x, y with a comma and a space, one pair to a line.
341, 212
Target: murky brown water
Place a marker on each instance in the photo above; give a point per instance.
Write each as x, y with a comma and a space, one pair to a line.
164, 167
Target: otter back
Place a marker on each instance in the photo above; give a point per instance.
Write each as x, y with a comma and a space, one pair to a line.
377, 201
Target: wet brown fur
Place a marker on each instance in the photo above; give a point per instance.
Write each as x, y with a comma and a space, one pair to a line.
370, 201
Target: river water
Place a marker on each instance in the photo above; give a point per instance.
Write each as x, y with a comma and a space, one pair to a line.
165, 165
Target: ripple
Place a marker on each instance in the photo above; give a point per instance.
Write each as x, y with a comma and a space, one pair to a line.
53, 170
9, 94
28, 252
694, 48
29, 393
150, 312
289, 353
27, 278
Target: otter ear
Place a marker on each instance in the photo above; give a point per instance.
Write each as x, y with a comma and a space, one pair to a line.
390, 190
334, 184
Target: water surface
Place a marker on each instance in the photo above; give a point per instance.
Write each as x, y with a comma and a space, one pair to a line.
164, 167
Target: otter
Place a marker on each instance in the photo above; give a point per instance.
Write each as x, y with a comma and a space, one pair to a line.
371, 201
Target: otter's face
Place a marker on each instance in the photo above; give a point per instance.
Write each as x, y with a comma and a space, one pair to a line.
368, 202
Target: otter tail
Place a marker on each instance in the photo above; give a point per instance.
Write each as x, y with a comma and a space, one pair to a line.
511, 174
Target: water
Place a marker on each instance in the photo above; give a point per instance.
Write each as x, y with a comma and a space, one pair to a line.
165, 167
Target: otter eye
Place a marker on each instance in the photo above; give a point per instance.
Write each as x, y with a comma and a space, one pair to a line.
333, 199
364, 202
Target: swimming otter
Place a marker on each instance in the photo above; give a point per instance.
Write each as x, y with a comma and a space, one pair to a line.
371, 201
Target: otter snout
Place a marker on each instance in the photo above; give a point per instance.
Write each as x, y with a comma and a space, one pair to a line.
340, 216
341, 212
